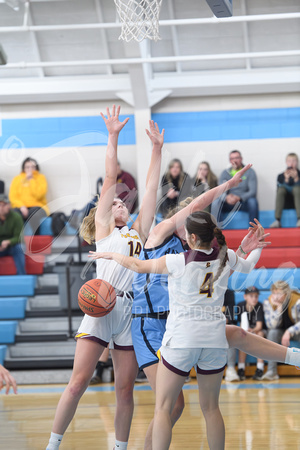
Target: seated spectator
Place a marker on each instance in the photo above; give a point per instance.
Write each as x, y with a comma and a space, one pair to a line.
2, 187
242, 197
126, 189
204, 180
282, 316
250, 315
288, 190
175, 186
11, 225
27, 194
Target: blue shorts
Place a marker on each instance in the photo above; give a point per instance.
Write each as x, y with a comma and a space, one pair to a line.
147, 335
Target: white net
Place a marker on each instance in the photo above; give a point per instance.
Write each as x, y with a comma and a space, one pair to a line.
139, 19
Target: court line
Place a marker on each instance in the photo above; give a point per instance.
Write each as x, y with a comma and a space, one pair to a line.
237, 386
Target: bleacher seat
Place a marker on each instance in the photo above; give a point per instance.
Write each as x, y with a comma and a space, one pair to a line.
12, 307
46, 230
3, 349
264, 278
240, 220
8, 330
17, 285
36, 248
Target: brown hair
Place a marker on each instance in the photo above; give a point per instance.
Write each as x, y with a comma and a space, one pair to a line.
212, 180
168, 176
292, 155
202, 224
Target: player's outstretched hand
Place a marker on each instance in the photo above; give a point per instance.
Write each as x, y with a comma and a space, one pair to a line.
113, 125
100, 255
7, 379
154, 134
237, 178
255, 237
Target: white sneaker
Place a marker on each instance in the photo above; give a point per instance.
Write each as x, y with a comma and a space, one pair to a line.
275, 224
271, 376
231, 374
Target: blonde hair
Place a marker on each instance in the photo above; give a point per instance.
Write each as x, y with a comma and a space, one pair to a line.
179, 207
87, 229
281, 286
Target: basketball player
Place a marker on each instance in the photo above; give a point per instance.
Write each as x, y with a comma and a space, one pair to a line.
195, 332
106, 225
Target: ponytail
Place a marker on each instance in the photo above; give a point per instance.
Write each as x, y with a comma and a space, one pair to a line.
223, 251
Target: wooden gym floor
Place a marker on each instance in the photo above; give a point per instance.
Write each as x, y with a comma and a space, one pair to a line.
257, 416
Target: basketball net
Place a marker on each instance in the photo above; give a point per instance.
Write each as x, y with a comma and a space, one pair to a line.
139, 19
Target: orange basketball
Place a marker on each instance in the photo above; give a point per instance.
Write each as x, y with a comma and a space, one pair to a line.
96, 298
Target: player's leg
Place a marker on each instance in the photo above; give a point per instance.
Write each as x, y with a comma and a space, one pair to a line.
255, 345
86, 357
151, 374
125, 372
209, 390
168, 387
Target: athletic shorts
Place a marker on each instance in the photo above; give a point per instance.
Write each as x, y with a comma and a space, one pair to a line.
147, 335
113, 329
205, 360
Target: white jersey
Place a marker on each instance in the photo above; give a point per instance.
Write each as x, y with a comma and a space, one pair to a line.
125, 241
196, 319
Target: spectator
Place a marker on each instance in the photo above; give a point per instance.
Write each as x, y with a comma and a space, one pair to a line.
126, 189
175, 185
250, 315
288, 190
7, 379
282, 316
11, 225
228, 310
243, 195
28, 194
2, 187
204, 180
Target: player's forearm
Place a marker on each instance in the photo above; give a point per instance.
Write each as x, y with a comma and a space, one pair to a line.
208, 197
111, 160
133, 264
153, 173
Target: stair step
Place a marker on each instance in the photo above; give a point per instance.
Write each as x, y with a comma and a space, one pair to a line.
41, 337
39, 363
59, 324
39, 377
44, 350
41, 302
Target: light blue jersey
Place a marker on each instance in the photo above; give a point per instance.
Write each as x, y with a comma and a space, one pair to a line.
151, 295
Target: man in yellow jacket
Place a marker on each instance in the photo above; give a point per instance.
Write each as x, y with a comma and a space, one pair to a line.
27, 194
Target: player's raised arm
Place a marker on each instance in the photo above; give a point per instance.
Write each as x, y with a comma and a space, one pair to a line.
147, 211
134, 264
169, 226
104, 219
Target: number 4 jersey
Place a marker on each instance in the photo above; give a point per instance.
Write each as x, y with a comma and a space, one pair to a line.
126, 241
196, 318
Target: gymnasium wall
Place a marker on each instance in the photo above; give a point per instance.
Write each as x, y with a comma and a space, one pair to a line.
68, 140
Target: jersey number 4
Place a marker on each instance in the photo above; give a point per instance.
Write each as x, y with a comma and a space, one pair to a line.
134, 249
207, 286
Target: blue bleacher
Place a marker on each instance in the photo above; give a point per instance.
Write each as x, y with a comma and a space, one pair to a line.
8, 330
46, 230
240, 220
12, 307
17, 285
264, 278
3, 349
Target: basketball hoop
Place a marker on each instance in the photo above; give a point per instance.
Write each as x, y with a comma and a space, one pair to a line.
139, 19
